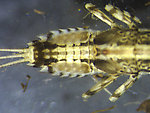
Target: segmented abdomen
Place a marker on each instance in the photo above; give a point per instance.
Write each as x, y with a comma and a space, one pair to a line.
59, 56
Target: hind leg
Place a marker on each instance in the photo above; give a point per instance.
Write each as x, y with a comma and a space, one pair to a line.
99, 14
115, 12
102, 77
123, 16
123, 88
99, 86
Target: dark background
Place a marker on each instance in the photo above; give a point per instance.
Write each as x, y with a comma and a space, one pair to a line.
19, 24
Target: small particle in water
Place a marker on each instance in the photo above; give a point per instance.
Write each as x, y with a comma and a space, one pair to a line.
79, 10
39, 12
27, 14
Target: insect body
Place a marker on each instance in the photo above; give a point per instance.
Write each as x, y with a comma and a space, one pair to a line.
76, 52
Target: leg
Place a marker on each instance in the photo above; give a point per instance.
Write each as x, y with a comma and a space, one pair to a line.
99, 86
95, 78
122, 16
99, 14
123, 88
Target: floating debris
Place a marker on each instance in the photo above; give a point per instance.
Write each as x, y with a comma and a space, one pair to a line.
147, 3
103, 110
24, 86
144, 106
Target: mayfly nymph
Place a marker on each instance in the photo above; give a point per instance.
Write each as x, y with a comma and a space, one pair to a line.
76, 52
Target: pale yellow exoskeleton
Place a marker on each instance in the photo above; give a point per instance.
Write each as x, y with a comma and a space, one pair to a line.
76, 52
